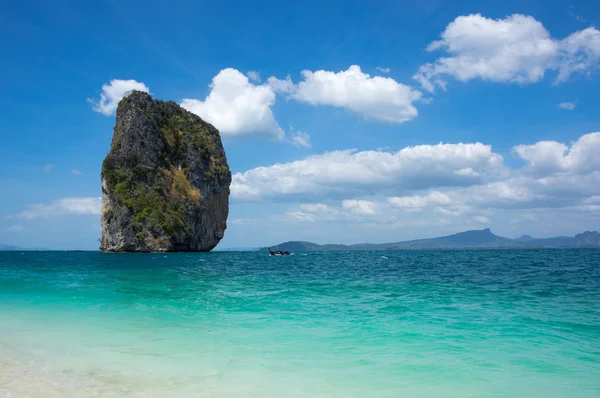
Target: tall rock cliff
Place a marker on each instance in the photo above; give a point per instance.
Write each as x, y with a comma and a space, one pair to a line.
165, 181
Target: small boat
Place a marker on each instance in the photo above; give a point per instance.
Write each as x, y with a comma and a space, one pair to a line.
278, 252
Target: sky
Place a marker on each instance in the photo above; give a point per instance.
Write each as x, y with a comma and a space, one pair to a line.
342, 121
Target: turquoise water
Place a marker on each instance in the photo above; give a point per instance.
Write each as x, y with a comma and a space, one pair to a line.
523, 323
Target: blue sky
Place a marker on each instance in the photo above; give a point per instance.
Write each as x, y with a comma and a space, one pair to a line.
342, 121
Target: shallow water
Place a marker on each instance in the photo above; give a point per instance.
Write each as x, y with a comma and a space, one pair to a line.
513, 323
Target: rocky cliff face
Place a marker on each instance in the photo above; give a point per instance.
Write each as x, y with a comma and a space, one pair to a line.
165, 181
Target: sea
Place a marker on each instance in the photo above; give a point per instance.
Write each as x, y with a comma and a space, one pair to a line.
456, 323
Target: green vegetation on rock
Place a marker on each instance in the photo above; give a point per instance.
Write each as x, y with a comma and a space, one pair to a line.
162, 193
149, 203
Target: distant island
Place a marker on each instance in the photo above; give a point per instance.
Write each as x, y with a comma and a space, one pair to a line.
473, 239
4, 248
9, 247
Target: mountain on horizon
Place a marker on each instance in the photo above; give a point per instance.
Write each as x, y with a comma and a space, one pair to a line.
480, 239
8, 247
4, 247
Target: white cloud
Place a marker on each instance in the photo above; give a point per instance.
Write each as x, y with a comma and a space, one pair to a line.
301, 140
523, 192
281, 86
567, 105
384, 70
548, 157
311, 212
346, 211
433, 181
64, 206
434, 201
359, 207
345, 196
579, 52
113, 92
467, 172
516, 49
253, 75
379, 98
416, 201
48, 167
237, 107
76, 172
350, 173
376, 213
545, 156
468, 207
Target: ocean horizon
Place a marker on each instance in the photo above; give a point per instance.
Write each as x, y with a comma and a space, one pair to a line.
434, 323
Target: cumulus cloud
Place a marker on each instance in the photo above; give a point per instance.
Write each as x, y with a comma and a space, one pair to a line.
543, 156
418, 202
237, 107
549, 157
466, 207
434, 202
344, 211
113, 92
448, 181
379, 98
579, 52
301, 140
523, 192
286, 86
381, 214
48, 167
384, 70
76, 172
557, 191
350, 173
567, 105
311, 212
516, 49
66, 206
359, 207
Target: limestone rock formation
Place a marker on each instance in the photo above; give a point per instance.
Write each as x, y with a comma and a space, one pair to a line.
165, 180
